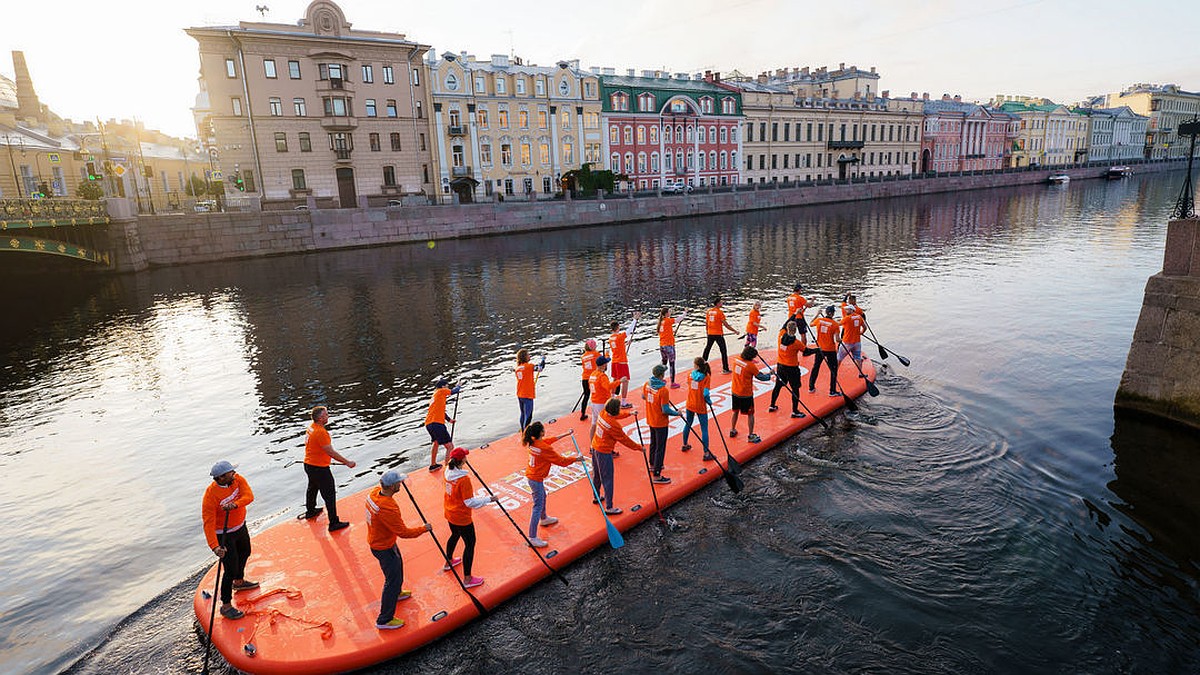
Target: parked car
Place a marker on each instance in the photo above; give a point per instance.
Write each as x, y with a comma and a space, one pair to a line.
205, 206
678, 187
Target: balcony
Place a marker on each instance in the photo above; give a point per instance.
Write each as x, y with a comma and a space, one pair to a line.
334, 85
459, 171
844, 145
339, 123
456, 131
342, 154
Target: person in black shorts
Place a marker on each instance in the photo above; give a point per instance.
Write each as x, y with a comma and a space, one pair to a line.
745, 371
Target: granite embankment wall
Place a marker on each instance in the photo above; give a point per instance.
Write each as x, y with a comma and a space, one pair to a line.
206, 237
1162, 372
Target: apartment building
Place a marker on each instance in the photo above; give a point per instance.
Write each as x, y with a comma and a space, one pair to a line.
1167, 106
962, 136
1115, 134
1050, 134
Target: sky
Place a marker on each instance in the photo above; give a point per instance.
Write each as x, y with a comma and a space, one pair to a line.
131, 59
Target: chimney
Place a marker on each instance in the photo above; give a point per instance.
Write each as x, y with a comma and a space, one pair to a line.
872, 70
717, 76
914, 95
924, 96
887, 93
945, 97
27, 100
647, 73
629, 72
500, 60
957, 98
762, 77
842, 66
804, 71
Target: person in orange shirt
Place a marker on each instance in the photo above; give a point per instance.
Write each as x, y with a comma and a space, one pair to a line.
787, 368
828, 338
384, 525
541, 455
715, 325
435, 420
658, 411
666, 340
458, 502
850, 306
697, 401
745, 370
223, 510
589, 364
318, 451
526, 385
796, 305
608, 434
619, 341
602, 388
852, 324
753, 323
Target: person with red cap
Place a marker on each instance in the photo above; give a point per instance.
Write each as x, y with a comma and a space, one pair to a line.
541, 455
224, 514
384, 525
458, 502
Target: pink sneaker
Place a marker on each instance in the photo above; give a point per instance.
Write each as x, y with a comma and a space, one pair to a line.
472, 582
674, 385
454, 562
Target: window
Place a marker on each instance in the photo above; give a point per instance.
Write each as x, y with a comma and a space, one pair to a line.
667, 134
368, 74
456, 155
424, 173
591, 152
299, 108
787, 131
749, 133
341, 141
589, 89
276, 106
566, 119
541, 117
628, 134
298, 182
646, 102
702, 135
568, 153
485, 153
305, 142
230, 68
564, 89
502, 117
451, 82
654, 133
724, 160
335, 71
712, 160
520, 84
269, 68
724, 135
539, 87
236, 103
389, 175
337, 107
526, 154
421, 142
523, 119
371, 112
391, 107
480, 85
619, 101
508, 186
506, 154
455, 118
774, 132
614, 162
416, 78
614, 134
389, 76
591, 120
641, 134
546, 184
654, 161
629, 162
394, 137
501, 85
481, 117
544, 153
280, 141
374, 141
294, 70
641, 162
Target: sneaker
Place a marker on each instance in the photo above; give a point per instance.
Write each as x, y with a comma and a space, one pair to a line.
537, 542
685, 447
674, 385
753, 438
834, 393
709, 457
548, 520
244, 585
726, 371
582, 418
812, 390
773, 408
232, 612
432, 467
339, 525
595, 501
733, 433
626, 405
661, 480
309, 515
453, 562
612, 510
797, 414
472, 582
405, 594
390, 625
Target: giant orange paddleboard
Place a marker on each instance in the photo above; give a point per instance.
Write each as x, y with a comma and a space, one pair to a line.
315, 611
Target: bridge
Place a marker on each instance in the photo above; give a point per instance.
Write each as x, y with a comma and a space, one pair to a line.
55, 227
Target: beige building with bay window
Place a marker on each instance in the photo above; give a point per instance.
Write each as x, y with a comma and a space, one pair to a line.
503, 127
315, 108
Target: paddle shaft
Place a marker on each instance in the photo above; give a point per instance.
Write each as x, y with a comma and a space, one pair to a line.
445, 555
729, 459
455, 416
212, 616
514, 523
614, 535
730, 479
649, 475
796, 393
882, 349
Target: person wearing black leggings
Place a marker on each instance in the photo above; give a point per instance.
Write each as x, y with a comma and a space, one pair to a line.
458, 503
787, 368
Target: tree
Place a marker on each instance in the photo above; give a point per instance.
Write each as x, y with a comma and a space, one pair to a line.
589, 181
196, 187
89, 190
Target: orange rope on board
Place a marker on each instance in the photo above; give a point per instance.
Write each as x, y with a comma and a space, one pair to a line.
273, 615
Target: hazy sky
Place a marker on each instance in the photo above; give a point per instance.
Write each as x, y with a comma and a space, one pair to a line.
131, 58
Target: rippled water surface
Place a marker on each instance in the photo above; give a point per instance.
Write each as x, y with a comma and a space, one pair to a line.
984, 514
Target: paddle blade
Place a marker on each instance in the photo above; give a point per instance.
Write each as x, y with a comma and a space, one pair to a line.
734, 481
883, 353
734, 467
614, 535
903, 360
872, 389
850, 404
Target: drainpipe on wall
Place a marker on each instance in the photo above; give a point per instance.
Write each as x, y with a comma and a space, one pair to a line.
249, 114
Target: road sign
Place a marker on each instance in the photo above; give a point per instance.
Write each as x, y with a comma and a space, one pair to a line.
54, 158
217, 175
119, 169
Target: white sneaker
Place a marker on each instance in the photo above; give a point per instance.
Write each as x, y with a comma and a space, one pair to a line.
548, 520
538, 543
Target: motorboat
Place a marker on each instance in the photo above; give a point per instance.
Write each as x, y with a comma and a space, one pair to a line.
1118, 172
1058, 178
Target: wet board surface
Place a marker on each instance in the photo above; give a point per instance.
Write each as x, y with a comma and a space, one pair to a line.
315, 610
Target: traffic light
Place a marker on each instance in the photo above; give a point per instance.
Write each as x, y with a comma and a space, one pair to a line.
239, 182
92, 173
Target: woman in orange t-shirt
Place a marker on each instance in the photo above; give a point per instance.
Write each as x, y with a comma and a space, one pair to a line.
697, 398
588, 361
666, 340
526, 385
541, 455
787, 368
457, 504
753, 323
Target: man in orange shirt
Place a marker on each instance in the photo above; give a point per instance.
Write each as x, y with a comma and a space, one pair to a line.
602, 388
608, 434
435, 420
715, 325
745, 371
318, 453
224, 514
658, 410
619, 340
588, 361
828, 339
796, 305
384, 525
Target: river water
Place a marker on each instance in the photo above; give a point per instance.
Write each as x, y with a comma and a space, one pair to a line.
984, 514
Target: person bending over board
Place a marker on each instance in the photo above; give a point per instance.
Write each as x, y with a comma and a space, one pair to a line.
541, 455
318, 453
224, 512
435, 421
828, 340
459, 501
384, 525
608, 434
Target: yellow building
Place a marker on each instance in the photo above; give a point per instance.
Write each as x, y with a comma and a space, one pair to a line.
1050, 134
503, 127
1167, 106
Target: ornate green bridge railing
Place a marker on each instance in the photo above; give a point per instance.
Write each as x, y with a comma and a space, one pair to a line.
56, 212
25, 244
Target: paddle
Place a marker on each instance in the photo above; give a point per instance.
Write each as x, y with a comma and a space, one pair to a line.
455, 415
883, 352
850, 404
514, 523
212, 616
734, 482
734, 466
871, 388
445, 556
614, 535
793, 390
541, 367
649, 475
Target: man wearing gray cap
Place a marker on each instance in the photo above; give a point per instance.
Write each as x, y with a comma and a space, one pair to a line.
384, 524
224, 512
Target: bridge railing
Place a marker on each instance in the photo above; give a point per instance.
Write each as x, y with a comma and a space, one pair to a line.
15, 213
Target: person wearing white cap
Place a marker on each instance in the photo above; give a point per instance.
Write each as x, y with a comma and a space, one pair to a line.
224, 515
384, 525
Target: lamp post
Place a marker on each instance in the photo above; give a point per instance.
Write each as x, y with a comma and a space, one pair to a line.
1185, 207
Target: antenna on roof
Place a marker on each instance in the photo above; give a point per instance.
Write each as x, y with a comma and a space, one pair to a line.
512, 49
262, 10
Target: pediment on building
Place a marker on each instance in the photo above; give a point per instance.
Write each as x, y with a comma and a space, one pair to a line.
325, 18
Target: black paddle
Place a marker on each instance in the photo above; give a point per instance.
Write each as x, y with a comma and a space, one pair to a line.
734, 467
883, 353
735, 482
850, 404
871, 388
445, 556
649, 475
792, 389
212, 616
514, 524
455, 415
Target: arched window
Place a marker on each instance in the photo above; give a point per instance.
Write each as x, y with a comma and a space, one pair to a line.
641, 134
667, 134
654, 161
646, 102
669, 161
701, 133
703, 164
679, 165
733, 136
706, 104
724, 134
724, 160
691, 161
712, 160
619, 100
614, 163
679, 133
629, 162
733, 160
691, 134
654, 133
628, 134
712, 134
641, 165
614, 134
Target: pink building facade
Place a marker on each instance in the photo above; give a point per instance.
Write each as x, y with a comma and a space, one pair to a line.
962, 136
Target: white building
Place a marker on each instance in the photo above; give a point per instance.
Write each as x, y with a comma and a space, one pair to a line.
1117, 134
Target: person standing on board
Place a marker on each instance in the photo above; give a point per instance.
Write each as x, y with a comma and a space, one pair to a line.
796, 304
658, 410
828, 339
457, 504
526, 385
666, 340
787, 368
224, 515
318, 453
608, 434
850, 306
384, 525
697, 399
541, 455
602, 388
852, 324
753, 323
745, 370
715, 325
435, 421
589, 364
619, 341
